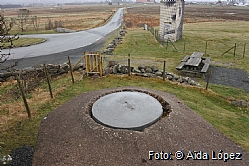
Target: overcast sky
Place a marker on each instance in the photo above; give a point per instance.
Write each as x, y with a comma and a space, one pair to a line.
59, 1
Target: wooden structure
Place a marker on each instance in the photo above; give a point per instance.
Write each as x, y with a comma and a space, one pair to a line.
93, 62
194, 65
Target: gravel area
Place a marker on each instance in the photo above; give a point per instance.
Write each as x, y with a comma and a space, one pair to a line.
69, 136
230, 77
22, 156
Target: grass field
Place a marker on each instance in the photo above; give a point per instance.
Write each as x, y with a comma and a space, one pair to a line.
213, 104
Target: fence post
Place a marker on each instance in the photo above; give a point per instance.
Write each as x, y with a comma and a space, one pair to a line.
184, 45
209, 75
164, 66
23, 97
234, 49
48, 81
206, 47
129, 65
244, 50
70, 68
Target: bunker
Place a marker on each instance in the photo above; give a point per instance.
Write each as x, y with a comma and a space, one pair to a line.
131, 110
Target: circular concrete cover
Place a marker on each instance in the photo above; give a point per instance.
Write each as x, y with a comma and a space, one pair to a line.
127, 110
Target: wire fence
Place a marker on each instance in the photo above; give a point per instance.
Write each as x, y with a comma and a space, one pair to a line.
213, 47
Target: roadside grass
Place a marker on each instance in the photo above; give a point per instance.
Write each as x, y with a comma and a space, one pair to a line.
21, 42
213, 104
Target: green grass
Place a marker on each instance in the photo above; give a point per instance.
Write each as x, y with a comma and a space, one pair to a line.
24, 42
212, 105
221, 36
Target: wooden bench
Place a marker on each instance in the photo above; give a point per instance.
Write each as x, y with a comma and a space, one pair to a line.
205, 68
207, 60
179, 67
197, 55
185, 58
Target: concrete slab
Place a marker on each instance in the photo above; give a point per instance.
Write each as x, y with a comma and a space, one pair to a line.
127, 110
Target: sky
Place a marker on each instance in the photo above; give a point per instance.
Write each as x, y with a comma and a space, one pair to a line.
57, 1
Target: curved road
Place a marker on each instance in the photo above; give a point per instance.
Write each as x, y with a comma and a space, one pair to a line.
59, 44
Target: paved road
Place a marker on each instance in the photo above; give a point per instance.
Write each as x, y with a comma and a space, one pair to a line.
57, 43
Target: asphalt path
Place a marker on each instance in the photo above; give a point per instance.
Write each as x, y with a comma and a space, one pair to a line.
58, 46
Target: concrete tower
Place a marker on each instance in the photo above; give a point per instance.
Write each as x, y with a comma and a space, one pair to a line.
171, 19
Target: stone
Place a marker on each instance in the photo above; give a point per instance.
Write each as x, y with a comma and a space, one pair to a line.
64, 30
192, 82
158, 73
65, 67
154, 68
142, 70
115, 69
151, 75
176, 77
141, 67
123, 69
112, 63
148, 70
136, 70
236, 103
170, 77
180, 79
243, 103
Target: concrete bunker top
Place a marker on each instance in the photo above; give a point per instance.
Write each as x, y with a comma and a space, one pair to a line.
127, 110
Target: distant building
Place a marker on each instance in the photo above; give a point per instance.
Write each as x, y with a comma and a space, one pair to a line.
145, 1
171, 19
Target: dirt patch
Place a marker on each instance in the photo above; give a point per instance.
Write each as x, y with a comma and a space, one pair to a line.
69, 136
137, 16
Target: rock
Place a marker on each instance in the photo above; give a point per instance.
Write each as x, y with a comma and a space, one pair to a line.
141, 67
180, 79
123, 69
158, 73
136, 70
112, 63
243, 103
236, 103
108, 70
80, 65
170, 77
176, 77
230, 98
115, 69
64, 30
185, 79
148, 70
192, 82
154, 68
151, 75
142, 70
65, 67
